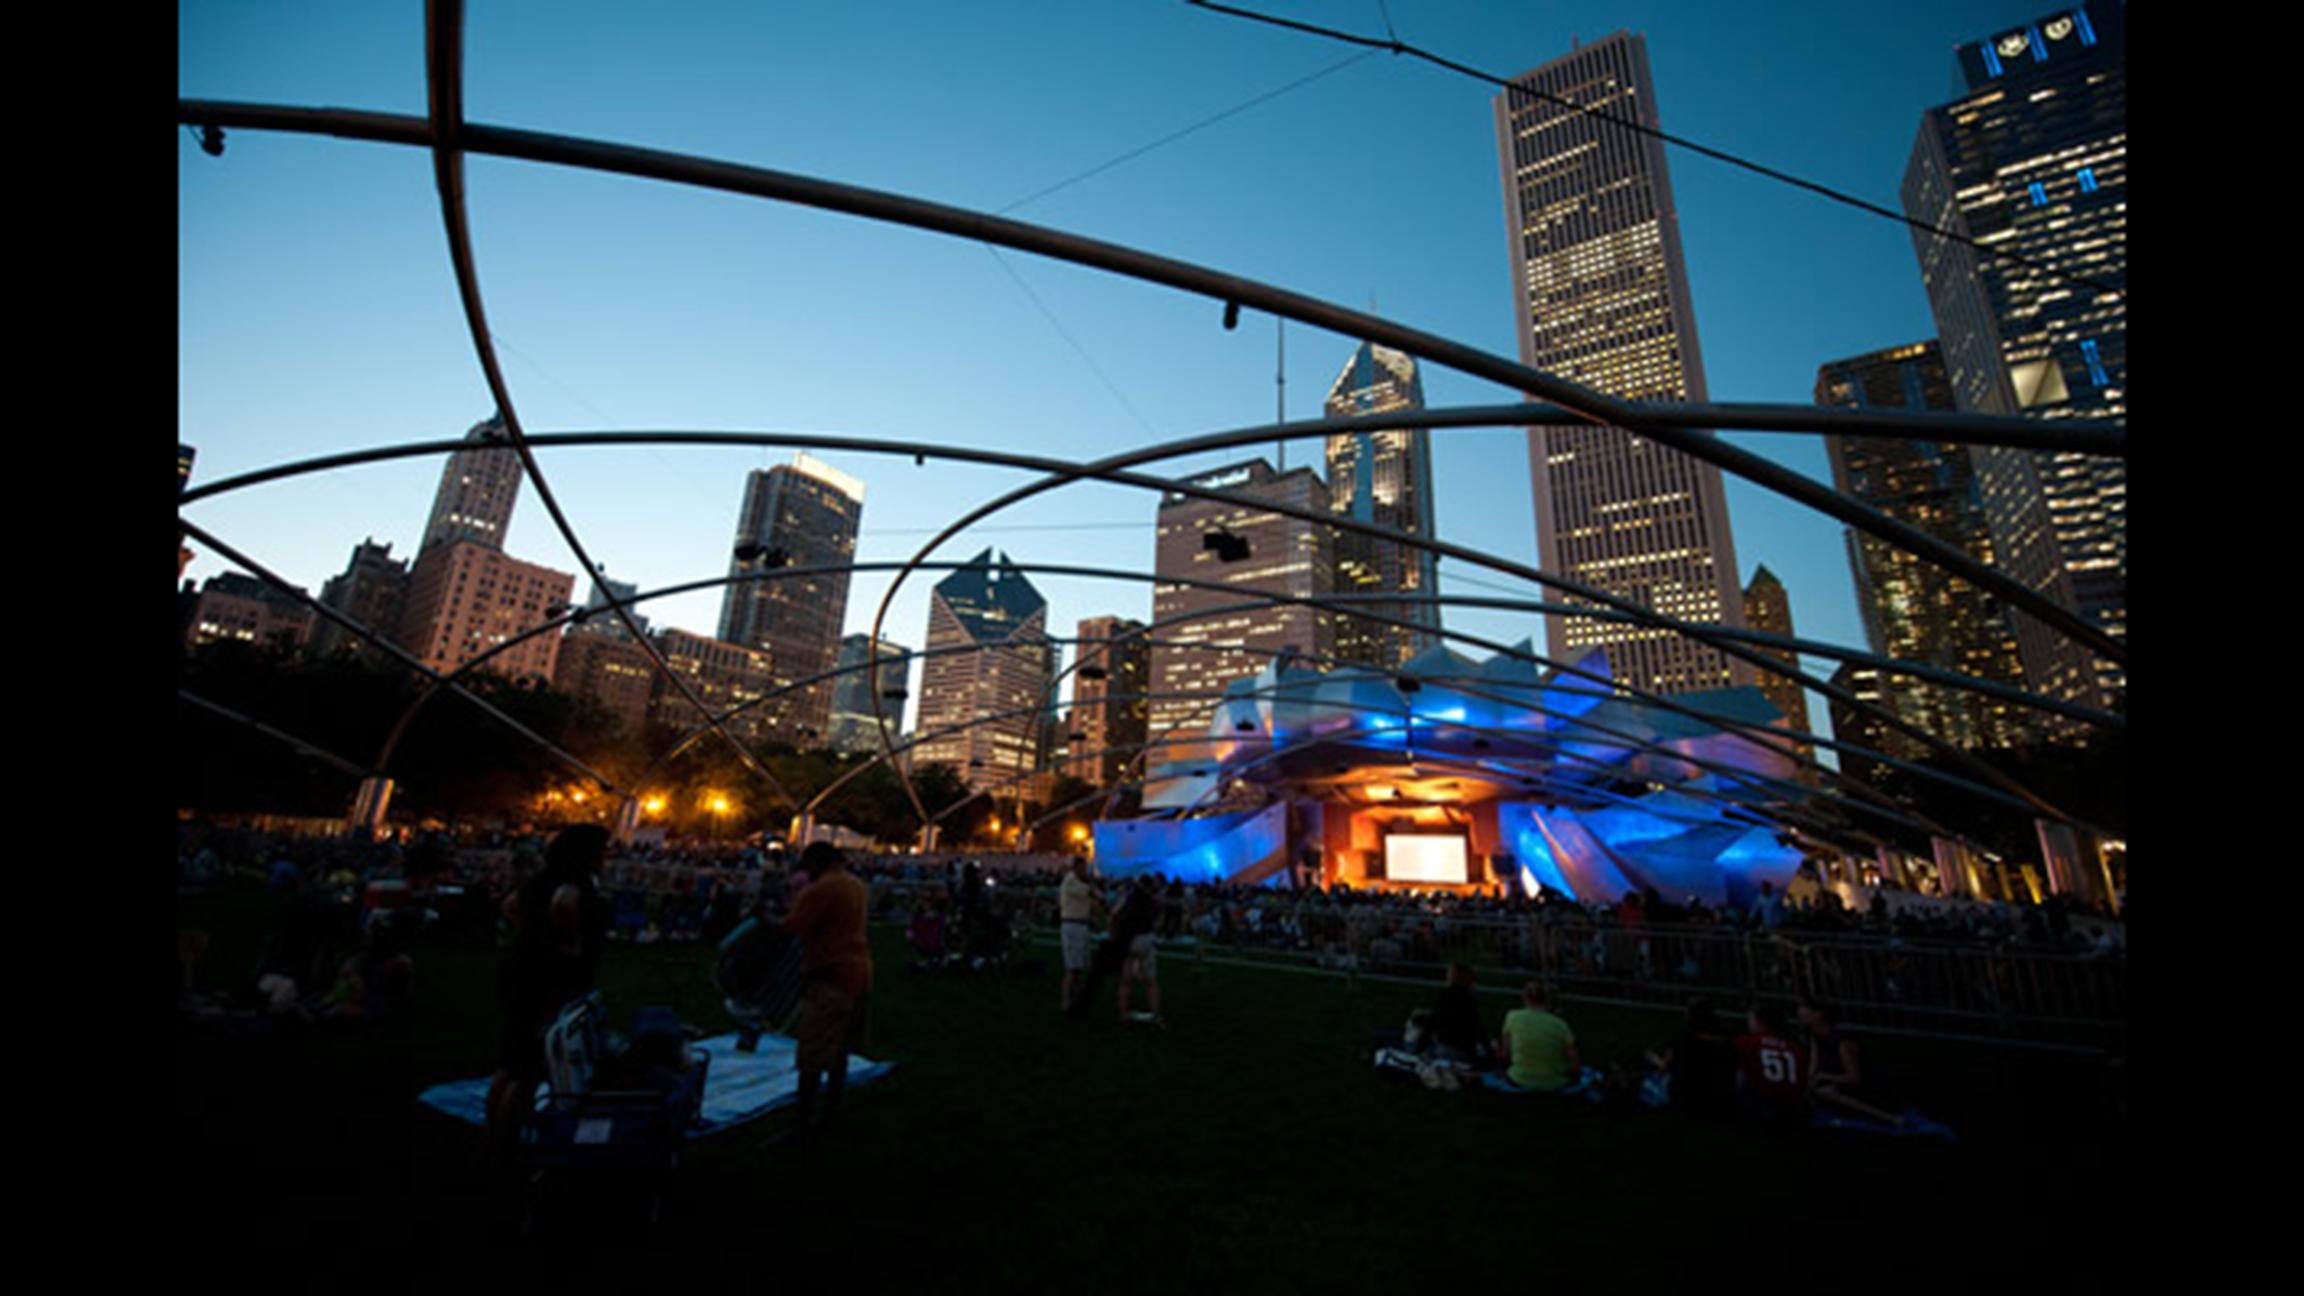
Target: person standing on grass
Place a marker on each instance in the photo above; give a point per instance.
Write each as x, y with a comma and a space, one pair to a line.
1132, 931
559, 931
1133, 917
836, 978
1076, 897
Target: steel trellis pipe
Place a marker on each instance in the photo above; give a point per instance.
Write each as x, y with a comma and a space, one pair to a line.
2030, 803
444, 75
1107, 470
965, 223
1595, 732
1639, 615
1214, 441
302, 747
1770, 736
394, 650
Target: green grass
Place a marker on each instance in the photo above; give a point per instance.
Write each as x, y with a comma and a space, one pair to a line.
1249, 1143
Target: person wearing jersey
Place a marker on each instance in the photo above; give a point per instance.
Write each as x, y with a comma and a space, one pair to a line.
559, 931
1771, 1070
836, 978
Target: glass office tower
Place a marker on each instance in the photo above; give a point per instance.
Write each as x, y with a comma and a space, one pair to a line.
2032, 160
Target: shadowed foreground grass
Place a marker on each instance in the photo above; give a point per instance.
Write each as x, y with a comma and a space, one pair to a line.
1250, 1143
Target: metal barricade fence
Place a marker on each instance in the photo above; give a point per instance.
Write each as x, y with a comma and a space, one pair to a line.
1923, 987
1942, 988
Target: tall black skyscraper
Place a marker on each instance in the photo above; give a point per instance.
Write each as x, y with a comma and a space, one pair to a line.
854, 727
796, 516
1912, 609
2033, 160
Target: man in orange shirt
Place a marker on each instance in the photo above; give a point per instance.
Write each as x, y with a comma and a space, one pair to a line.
836, 976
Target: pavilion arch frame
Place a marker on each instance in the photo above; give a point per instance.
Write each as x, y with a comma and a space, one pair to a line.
1730, 641
450, 138
1331, 603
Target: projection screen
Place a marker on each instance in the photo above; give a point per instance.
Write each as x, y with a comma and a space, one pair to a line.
1425, 857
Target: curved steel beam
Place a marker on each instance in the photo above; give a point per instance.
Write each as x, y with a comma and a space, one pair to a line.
1757, 816
1107, 471
444, 77
1773, 736
1215, 696
961, 222
1812, 647
1719, 636
1776, 739
302, 747
1233, 437
1334, 603
1443, 419
395, 651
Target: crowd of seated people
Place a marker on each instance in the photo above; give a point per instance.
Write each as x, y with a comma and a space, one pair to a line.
1758, 1069
1772, 1074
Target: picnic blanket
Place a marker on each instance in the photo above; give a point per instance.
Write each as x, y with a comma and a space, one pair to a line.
739, 1087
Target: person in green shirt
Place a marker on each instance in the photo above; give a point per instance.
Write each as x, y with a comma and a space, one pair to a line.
1542, 1048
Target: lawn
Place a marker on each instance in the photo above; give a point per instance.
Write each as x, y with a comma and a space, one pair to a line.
1250, 1144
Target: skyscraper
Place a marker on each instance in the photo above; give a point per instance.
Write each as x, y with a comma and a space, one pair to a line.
1000, 690
466, 597
1282, 555
1383, 478
1913, 610
2032, 160
1849, 725
798, 515
1109, 711
600, 662
1768, 608
724, 675
373, 590
236, 607
478, 487
604, 621
1602, 297
853, 727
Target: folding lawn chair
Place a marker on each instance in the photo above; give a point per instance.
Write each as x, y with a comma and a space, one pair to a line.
759, 978
580, 1128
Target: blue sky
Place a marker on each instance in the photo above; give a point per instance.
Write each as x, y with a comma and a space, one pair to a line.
317, 312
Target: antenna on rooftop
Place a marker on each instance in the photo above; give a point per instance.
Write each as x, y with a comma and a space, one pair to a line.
1280, 384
